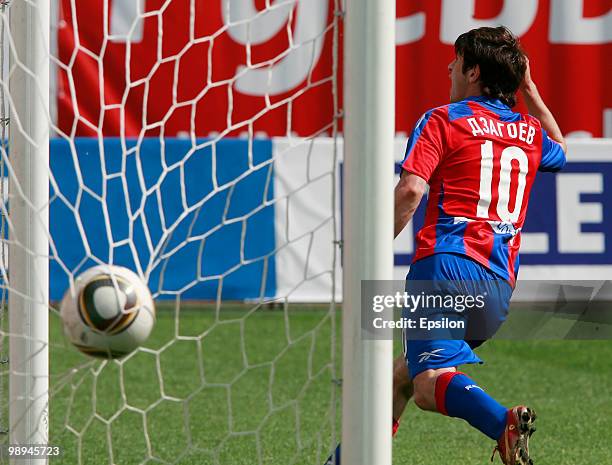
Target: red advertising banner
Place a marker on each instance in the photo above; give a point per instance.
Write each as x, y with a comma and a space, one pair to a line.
173, 67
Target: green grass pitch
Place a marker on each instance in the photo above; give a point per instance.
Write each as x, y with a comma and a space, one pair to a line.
238, 387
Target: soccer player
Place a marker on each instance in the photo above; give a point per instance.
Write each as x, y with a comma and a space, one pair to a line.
479, 159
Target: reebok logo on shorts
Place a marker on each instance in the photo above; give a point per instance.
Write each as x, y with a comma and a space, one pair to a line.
427, 355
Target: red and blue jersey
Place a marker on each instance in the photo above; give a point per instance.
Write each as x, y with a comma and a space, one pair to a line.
480, 160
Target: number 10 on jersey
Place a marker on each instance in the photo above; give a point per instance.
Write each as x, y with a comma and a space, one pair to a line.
508, 155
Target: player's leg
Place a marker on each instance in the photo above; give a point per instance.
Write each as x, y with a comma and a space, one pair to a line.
452, 393
438, 386
402, 389
402, 392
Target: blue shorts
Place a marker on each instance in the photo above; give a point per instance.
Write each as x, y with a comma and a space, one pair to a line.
451, 276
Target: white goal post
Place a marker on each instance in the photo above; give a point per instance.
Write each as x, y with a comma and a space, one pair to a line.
367, 225
28, 275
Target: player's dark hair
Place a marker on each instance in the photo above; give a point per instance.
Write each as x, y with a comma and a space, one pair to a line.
501, 60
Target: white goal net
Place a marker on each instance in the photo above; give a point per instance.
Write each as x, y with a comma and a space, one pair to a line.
193, 142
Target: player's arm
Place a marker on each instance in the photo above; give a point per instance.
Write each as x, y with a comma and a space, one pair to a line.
537, 108
423, 153
408, 194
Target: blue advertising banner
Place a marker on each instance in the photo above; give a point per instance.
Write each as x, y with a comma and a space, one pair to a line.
198, 222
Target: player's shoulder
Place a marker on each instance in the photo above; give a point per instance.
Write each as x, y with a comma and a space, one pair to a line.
467, 108
436, 113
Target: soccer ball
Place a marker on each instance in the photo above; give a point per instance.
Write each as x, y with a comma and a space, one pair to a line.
109, 313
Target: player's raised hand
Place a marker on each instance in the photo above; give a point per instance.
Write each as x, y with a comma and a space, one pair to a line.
537, 107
